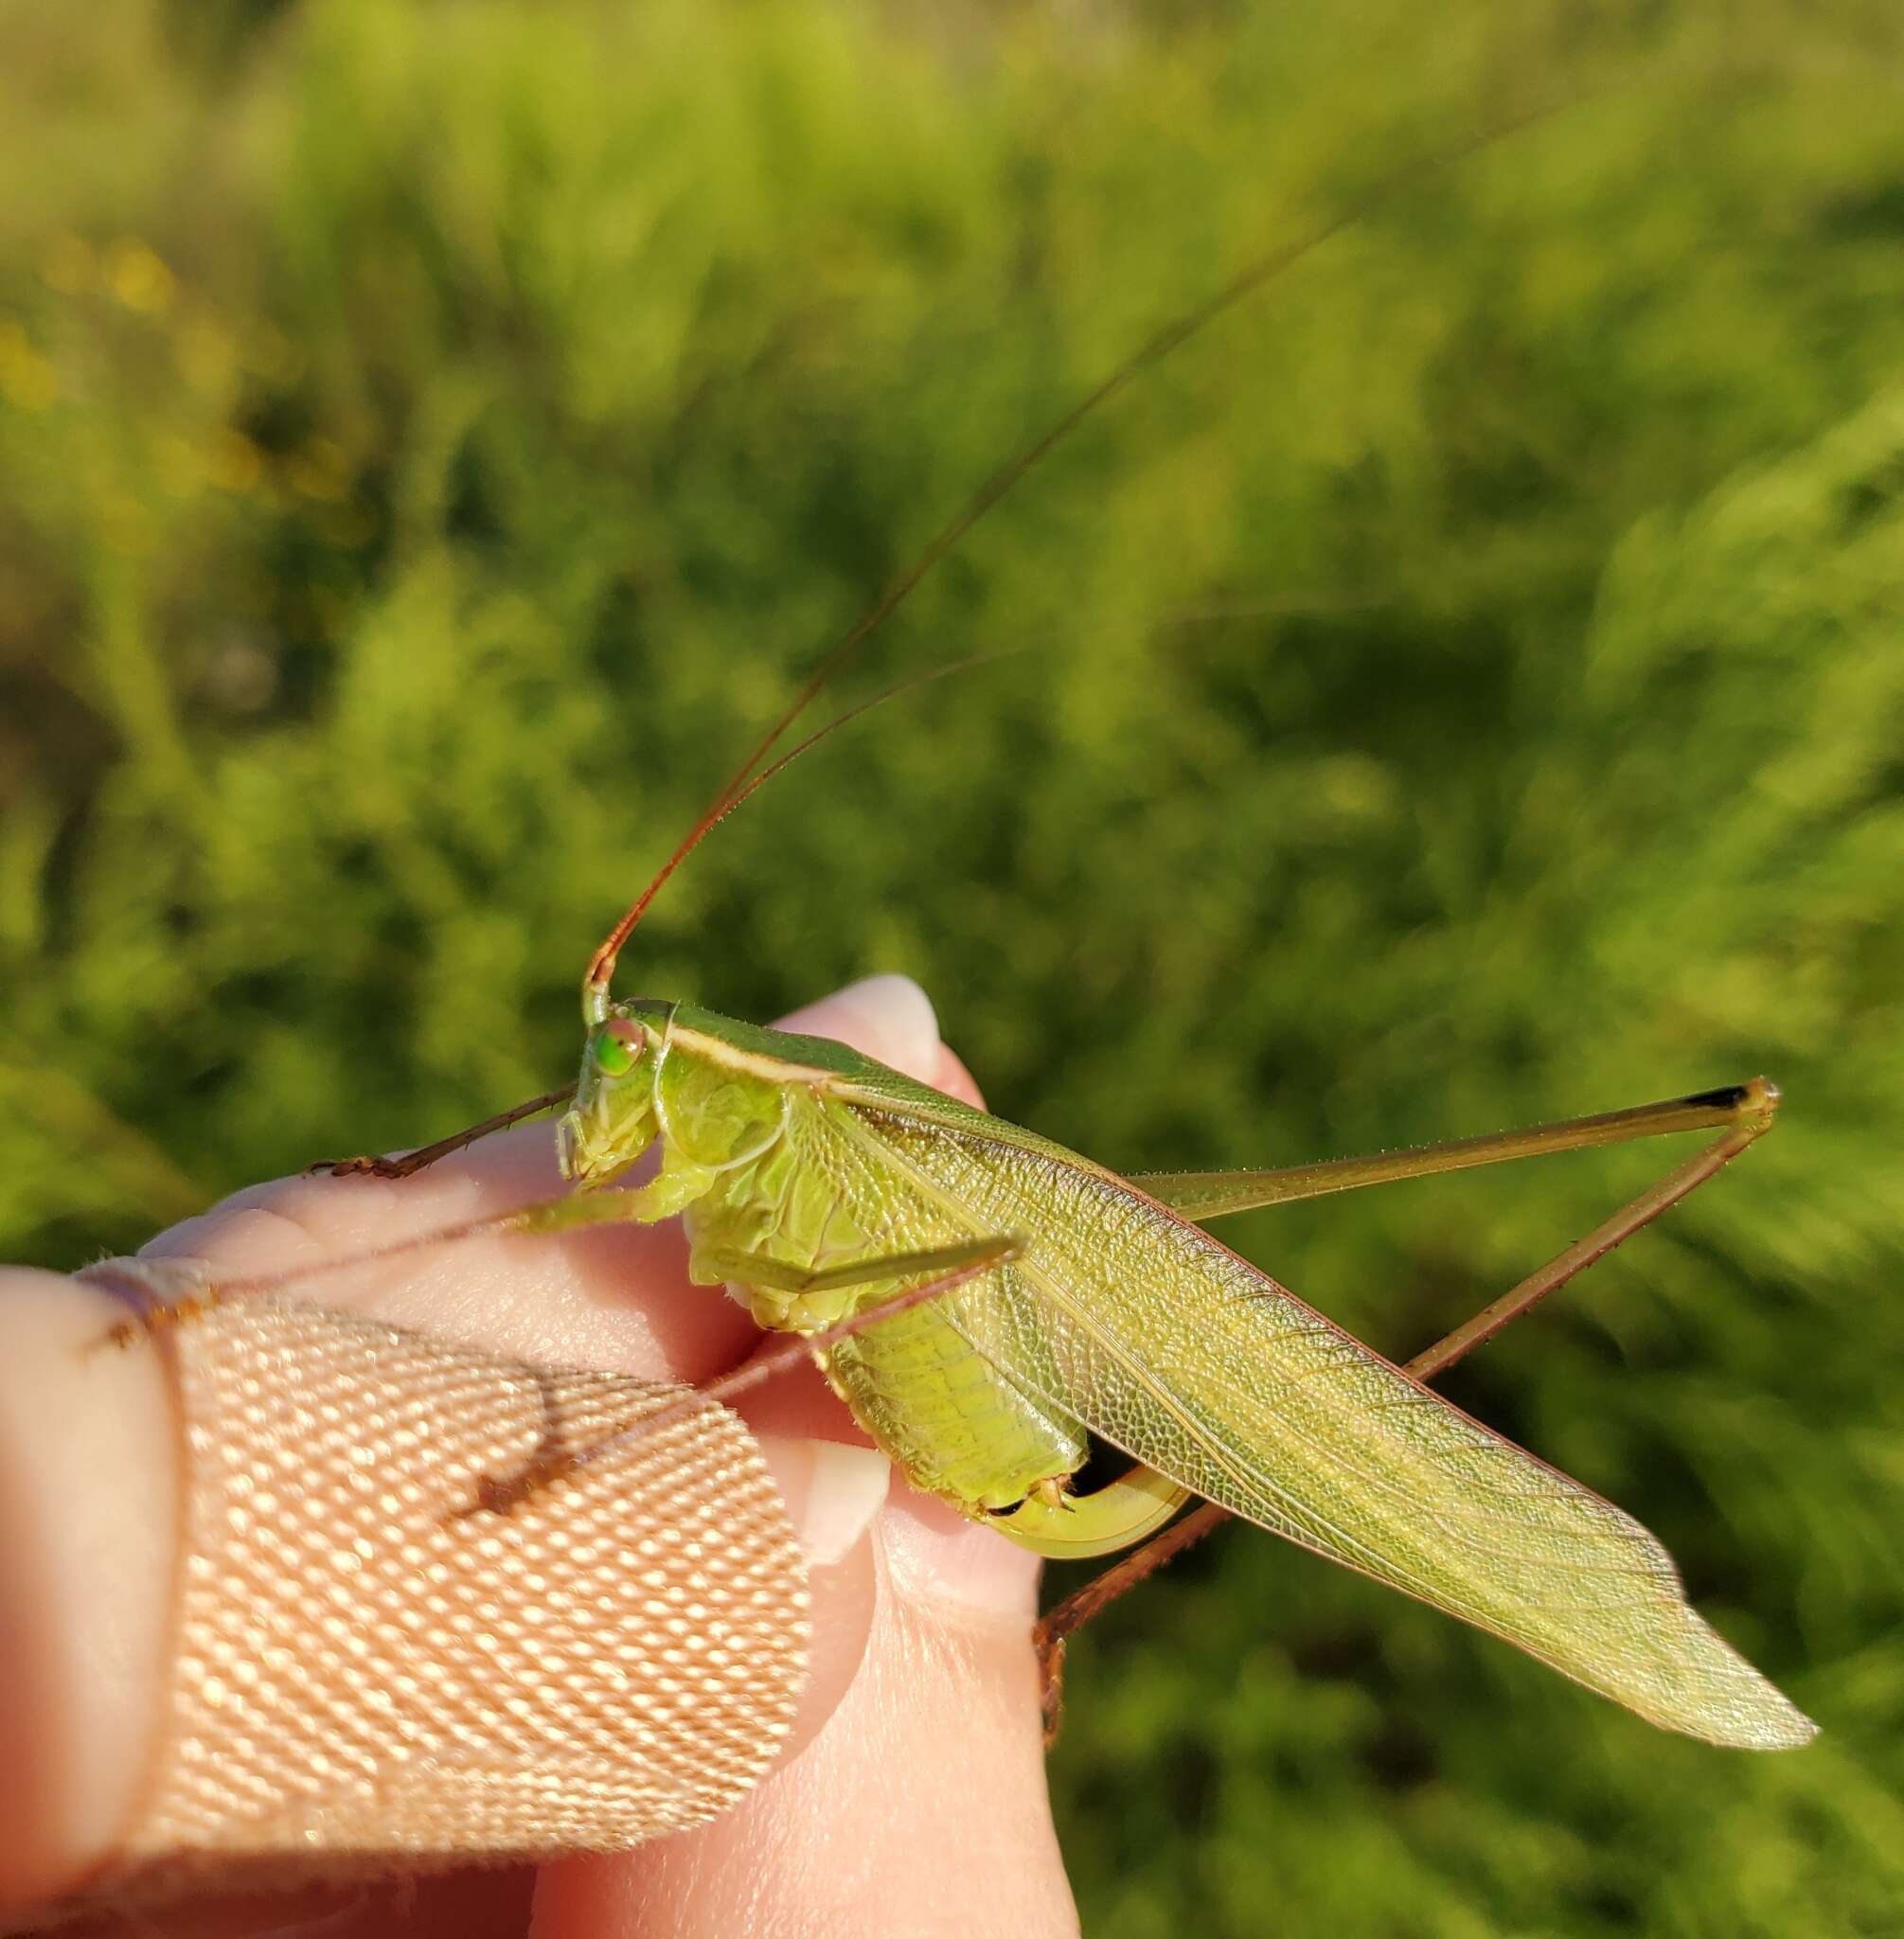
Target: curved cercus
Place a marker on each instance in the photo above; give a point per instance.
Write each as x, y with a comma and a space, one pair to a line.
1074, 1527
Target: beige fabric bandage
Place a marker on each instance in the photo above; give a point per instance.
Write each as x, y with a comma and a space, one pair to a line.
365, 1678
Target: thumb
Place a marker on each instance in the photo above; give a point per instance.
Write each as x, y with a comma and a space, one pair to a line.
922, 1806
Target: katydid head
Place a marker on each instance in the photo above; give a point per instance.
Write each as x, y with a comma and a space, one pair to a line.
612, 1121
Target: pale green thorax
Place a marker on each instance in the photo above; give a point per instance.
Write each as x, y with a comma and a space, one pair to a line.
713, 1104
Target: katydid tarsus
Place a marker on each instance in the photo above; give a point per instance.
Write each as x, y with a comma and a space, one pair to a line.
986, 1301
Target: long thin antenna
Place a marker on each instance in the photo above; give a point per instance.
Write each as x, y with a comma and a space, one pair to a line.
1245, 281
594, 986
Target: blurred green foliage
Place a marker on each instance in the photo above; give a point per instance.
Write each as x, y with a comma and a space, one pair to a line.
1470, 689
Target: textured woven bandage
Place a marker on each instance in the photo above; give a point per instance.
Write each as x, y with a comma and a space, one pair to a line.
368, 1676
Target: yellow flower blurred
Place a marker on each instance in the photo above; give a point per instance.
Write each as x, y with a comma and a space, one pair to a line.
27, 379
138, 278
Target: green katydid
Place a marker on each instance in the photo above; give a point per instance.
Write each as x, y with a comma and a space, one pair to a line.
986, 1299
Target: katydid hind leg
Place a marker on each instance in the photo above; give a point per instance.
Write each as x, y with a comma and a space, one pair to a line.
1200, 1196
1752, 1108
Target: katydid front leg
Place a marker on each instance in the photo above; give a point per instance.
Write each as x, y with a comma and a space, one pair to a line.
166, 1300
366, 1166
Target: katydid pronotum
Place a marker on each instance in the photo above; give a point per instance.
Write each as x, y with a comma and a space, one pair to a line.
986, 1299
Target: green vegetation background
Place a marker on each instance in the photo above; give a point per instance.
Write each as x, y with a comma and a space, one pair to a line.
1470, 689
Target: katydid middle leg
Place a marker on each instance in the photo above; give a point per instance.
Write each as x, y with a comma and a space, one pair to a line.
948, 1266
1746, 1111
977, 1254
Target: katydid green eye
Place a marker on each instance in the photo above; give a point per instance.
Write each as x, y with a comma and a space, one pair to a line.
614, 1056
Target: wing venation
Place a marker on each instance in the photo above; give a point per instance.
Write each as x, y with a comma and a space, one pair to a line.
1172, 1347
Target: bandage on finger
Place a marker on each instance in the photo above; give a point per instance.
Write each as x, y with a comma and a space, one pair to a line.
371, 1670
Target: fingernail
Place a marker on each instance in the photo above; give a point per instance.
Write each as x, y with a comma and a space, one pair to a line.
889, 1017
833, 1491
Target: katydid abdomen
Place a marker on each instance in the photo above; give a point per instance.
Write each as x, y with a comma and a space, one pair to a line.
816, 1199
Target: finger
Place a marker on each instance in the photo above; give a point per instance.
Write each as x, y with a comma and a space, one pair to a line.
615, 1297
888, 1018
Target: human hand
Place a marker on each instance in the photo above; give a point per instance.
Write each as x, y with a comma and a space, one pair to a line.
910, 1795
